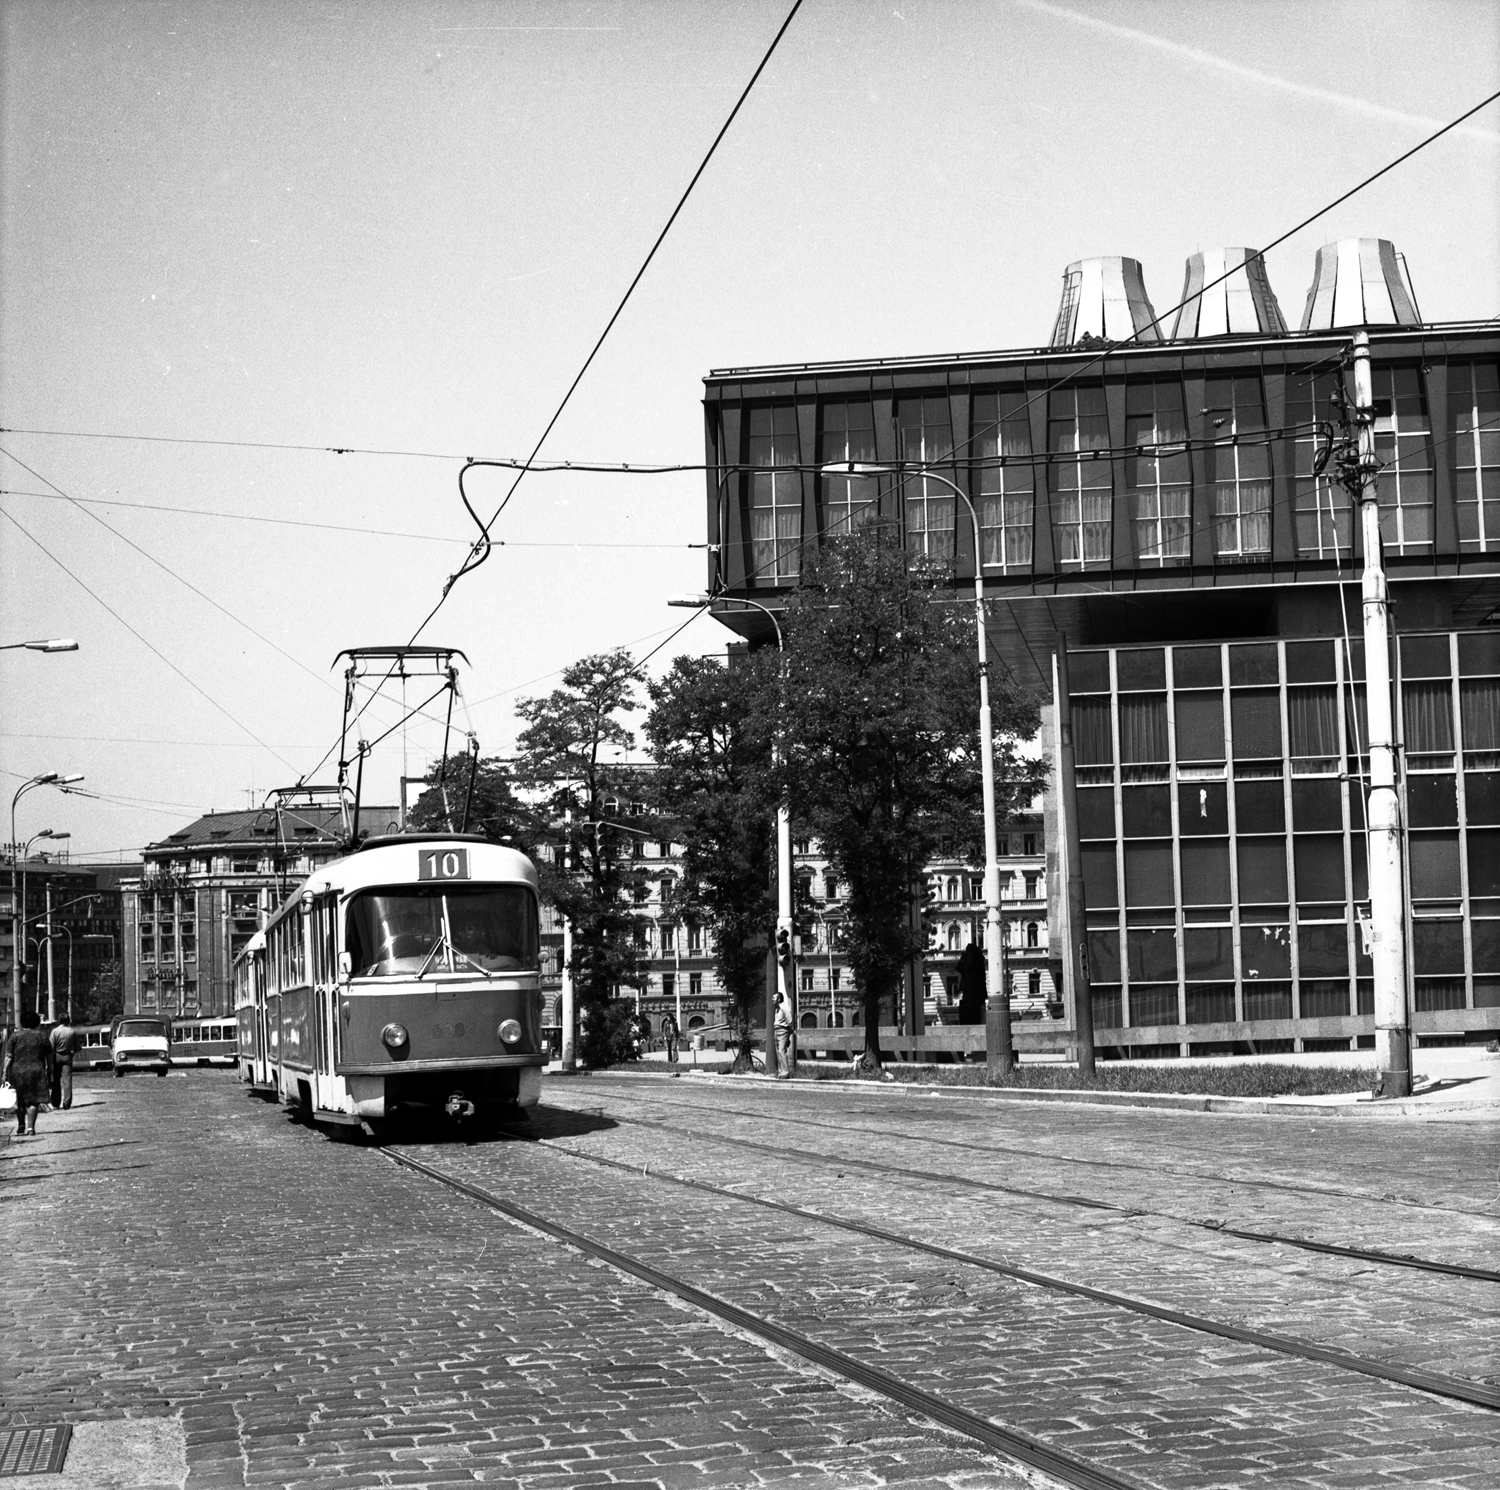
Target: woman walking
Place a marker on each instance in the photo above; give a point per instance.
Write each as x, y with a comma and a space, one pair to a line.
28, 1068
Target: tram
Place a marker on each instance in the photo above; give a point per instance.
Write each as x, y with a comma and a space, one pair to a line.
204, 1041
400, 980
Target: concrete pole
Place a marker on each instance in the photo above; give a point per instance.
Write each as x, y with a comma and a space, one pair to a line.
51, 989
569, 1055
1078, 959
786, 973
1383, 814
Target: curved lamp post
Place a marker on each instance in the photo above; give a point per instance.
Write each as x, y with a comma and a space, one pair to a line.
53, 644
994, 949
784, 925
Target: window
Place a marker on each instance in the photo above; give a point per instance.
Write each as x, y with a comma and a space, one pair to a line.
925, 437
1081, 486
669, 985
640, 937
1241, 473
807, 980
1403, 445
1005, 494
830, 887
447, 930
1474, 419
1158, 481
775, 496
695, 937
695, 985
838, 974
1143, 728
1322, 509
848, 435
1028, 843
1032, 933
668, 937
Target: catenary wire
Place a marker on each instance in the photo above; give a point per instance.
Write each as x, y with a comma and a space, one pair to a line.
481, 546
156, 651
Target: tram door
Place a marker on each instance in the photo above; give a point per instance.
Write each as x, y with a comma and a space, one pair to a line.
324, 970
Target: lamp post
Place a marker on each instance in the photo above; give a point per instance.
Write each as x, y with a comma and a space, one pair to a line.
784, 927
18, 907
54, 644
994, 950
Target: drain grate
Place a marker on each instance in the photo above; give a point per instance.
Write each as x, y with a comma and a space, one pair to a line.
33, 1450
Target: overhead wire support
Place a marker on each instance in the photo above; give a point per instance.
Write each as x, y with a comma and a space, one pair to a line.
481, 548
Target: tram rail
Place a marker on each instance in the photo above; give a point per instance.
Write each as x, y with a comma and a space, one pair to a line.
1435, 1383
871, 1166
1021, 1447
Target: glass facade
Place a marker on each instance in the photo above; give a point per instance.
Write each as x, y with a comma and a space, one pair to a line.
1221, 818
1081, 482
925, 432
848, 435
1474, 431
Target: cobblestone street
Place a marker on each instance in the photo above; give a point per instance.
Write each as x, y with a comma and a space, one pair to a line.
271, 1307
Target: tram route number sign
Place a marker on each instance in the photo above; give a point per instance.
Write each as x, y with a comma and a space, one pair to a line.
443, 864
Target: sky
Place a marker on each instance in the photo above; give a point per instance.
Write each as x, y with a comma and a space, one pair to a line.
396, 229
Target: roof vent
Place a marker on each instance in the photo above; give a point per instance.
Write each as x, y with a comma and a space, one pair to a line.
1226, 293
1360, 282
1104, 300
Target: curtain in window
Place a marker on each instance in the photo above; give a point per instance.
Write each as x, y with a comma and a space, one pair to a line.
1428, 712
1312, 718
1091, 732
1143, 728
1479, 698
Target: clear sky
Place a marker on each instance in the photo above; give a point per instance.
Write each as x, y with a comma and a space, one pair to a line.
400, 227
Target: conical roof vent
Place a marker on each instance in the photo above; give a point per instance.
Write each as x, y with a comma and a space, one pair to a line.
1104, 299
1226, 293
1359, 282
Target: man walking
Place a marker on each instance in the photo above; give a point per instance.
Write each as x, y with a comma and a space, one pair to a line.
783, 1027
64, 1040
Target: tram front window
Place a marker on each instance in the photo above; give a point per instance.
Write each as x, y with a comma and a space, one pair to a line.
486, 929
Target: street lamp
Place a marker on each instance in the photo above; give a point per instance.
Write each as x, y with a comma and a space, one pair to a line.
54, 644
994, 951
18, 909
783, 846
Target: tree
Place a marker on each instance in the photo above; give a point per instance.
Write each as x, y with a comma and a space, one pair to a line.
709, 732
879, 719
493, 808
589, 871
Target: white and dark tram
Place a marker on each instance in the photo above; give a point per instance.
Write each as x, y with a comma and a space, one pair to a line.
403, 979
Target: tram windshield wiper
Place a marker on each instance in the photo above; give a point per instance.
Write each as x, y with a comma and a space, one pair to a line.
444, 944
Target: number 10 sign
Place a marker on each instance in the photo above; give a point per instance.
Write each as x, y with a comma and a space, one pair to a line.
443, 864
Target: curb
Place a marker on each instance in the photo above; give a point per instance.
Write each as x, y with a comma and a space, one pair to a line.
1160, 1101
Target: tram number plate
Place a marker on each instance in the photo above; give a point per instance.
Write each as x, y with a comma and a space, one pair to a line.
443, 864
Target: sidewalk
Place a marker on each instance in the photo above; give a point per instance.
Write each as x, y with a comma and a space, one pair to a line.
1460, 1083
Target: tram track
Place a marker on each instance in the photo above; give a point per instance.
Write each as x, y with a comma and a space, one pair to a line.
1321, 1192
1013, 1444
1025, 1448
1427, 1381
1215, 1228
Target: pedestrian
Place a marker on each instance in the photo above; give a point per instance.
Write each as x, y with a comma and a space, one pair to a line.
671, 1034
783, 1028
971, 986
28, 1068
64, 1039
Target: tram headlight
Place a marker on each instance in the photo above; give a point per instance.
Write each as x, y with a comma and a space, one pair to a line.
394, 1036
510, 1031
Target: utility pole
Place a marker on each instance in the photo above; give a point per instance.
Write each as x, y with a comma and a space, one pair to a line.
569, 1058
51, 990
1067, 781
1383, 806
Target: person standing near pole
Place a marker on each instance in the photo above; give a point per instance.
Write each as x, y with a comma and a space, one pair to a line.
671, 1034
782, 1026
64, 1040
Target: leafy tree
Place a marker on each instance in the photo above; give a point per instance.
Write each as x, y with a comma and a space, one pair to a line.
493, 807
711, 738
104, 998
589, 872
879, 717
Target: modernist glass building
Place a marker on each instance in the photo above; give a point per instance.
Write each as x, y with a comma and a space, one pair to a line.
1150, 489
1221, 794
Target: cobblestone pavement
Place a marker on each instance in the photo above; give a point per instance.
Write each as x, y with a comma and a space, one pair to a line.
312, 1313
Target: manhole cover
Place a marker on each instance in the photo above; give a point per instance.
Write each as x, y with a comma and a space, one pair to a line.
33, 1450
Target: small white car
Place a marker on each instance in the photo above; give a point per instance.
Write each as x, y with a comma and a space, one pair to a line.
141, 1043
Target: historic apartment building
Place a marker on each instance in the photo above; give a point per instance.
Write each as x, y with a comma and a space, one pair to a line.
1152, 490
201, 893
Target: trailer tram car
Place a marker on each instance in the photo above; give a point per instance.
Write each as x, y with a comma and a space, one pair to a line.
401, 980
204, 1041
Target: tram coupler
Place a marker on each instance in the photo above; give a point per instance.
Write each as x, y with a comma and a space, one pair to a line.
458, 1106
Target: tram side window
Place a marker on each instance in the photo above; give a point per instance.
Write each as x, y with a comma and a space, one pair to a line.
442, 930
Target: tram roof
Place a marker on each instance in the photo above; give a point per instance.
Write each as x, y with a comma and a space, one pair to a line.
394, 861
